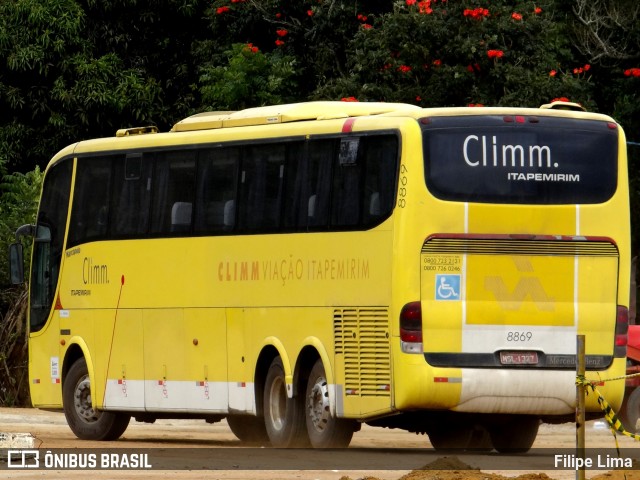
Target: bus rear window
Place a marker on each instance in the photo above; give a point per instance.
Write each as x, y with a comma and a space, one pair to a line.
524, 160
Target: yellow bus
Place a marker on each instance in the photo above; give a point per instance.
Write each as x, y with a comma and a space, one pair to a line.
302, 269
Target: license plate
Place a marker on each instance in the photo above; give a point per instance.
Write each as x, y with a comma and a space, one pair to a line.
519, 358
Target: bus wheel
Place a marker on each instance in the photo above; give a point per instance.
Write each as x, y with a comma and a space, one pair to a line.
632, 411
85, 422
454, 437
325, 431
248, 428
480, 440
516, 435
283, 416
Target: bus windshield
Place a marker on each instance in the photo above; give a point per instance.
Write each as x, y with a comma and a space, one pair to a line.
521, 160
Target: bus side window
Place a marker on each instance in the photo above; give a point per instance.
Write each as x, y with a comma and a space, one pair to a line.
131, 197
216, 190
380, 159
90, 208
317, 186
295, 203
347, 180
174, 182
261, 188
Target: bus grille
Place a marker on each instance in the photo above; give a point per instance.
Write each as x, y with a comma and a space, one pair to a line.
362, 337
504, 246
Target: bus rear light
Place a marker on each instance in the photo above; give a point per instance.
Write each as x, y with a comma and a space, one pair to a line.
411, 328
622, 331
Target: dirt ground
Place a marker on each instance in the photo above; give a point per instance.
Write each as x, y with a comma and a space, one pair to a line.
181, 439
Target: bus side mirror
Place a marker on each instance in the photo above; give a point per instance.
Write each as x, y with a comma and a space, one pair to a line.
16, 262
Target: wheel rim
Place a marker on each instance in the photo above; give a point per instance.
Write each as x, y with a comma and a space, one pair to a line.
318, 404
82, 401
278, 403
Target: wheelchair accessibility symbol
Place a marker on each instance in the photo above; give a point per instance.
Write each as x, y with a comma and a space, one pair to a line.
447, 287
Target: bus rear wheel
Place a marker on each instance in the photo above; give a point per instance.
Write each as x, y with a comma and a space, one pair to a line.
248, 428
514, 435
283, 416
632, 412
86, 422
454, 437
325, 430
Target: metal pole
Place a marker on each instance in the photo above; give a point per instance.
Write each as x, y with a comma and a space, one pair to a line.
580, 409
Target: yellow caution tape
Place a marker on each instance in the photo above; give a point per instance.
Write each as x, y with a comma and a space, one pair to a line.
614, 422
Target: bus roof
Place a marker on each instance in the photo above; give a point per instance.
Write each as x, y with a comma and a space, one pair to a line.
293, 112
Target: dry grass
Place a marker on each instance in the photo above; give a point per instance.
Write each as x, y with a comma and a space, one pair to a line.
14, 377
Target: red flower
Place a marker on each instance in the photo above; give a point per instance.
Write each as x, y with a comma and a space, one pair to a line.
537, 10
586, 67
221, 10
310, 13
282, 32
473, 68
516, 16
349, 99
553, 73
437, 62
278, 15
361, 17
632, 72
418, 98
425, 7
279, 42
495, 53
476, 105
411, 2
476, 13
560, 99
404, 68
252, 48
366, 26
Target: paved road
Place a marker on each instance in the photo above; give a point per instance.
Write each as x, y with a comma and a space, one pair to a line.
191, 446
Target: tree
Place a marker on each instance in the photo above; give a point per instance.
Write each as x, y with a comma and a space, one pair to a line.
57, 87
438, 53
608, 30
249, 78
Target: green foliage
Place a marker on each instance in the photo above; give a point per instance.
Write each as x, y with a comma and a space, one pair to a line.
59, 84
249, 78
315, 33
444, 53
19, 195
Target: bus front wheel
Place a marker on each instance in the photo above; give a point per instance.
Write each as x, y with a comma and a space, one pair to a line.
86, 422
325, 430
283, 416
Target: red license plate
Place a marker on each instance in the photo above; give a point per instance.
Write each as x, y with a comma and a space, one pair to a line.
519, 358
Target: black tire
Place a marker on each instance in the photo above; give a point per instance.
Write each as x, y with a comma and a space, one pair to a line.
85, 422
515, 435
480, 440
249, 429
454, 437
324, 430
632, 411
283, 416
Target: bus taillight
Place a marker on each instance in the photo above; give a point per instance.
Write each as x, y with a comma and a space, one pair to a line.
622, 329
411, 328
